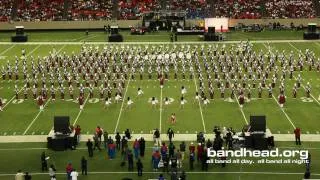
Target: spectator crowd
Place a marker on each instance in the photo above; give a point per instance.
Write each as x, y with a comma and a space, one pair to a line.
54, 10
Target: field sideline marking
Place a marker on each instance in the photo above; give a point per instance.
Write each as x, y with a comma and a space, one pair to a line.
288, 118
34, 120
244, 116
188, 172
6, 50
296, 78
76, 120
123, 100
200, 108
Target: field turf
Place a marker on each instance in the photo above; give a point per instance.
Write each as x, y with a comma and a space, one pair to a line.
22, 117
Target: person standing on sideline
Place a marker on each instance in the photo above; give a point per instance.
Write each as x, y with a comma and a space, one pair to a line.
130, 160
90, 148
27, 176
77, 131
142, 143
170, 134
191, 160
44, 164
84, 166
52, 172
182, 149
111, 150
136, 148
118, 140
155, 160
139, 167
74, 174
127, 134
156, 136
297, 133
105, 139
69, 169
97, 142
19, 175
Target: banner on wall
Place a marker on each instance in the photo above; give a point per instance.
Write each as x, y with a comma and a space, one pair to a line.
220, 24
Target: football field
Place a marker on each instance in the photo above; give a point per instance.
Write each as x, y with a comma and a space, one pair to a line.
22, 116
22, 120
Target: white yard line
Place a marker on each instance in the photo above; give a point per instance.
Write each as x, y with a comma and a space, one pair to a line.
243, 115
123, 100
8, 49
33, 50
200, 108
6, 104
289, 119
34, 120
76, 120
85, 39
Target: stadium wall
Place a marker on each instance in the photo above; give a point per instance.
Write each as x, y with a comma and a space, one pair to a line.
124, 24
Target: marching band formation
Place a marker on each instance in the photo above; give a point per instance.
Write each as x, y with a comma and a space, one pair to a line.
237, 69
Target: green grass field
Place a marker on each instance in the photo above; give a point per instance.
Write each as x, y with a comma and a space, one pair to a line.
22, 117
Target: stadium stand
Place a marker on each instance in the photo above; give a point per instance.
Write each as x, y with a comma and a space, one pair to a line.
133, 9
6, 7
90, 10
57, 10
37, 10
290, 9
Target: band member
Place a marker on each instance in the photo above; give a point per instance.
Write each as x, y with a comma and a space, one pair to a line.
260, 91
241, 100
154, 102
61, 92
53, 93
299, 81
25, 92
34, 92
41, 102
295, 90
182, 102
222, 89
117, 97
282, 99
270, 91
16, 91
197, 97
183, 90
91, 91
166, 101
161, 81
173, 119
107, 102
81, 101
129, 103
71, 92
308, 90
205, 101
140, 92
